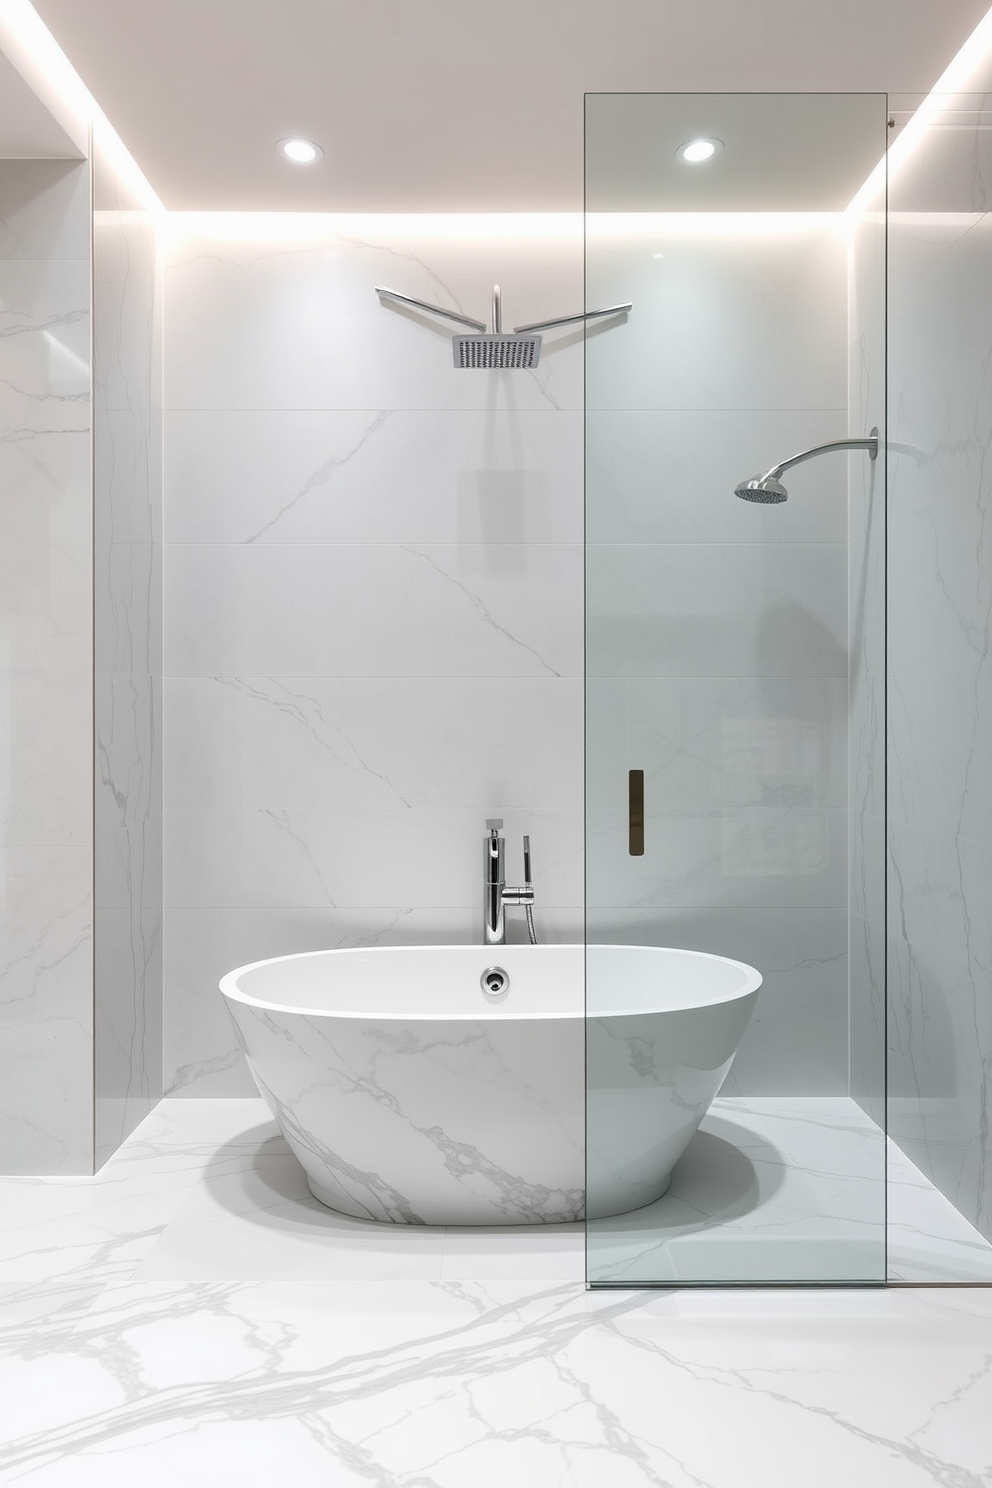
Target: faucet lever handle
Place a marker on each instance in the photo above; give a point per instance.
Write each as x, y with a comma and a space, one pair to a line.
494, 823
527, 877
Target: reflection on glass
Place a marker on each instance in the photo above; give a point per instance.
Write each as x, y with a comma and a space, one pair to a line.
735, 1132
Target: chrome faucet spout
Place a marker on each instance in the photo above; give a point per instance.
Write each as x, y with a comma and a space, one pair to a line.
495, 894
493, 884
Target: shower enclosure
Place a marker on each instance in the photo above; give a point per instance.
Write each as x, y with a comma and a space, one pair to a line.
735, 658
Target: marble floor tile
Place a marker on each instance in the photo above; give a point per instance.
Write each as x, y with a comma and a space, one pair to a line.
443, 1385
790, 1189
515, 1253
261, 1223
929, 1241
768, 1191
202, 1126
192, 1317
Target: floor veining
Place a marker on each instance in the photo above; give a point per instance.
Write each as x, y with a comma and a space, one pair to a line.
192, 1317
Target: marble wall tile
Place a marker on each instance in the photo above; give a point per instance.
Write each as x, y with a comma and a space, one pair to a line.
345, 856
46, 757
46, 987
796, 1040
46, 1121
374, 609
45, 322
403, 475
356, 540
295, 323
380, 743
707, 609
127, 783
940, 681
717, 630
720, 321
374, 592
715, 742
753, 856
127, 461
866, 517
44, 210
661, 475
127, 499
950, 168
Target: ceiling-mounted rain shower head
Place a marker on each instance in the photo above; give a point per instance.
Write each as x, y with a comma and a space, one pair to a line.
496, 349
768, 489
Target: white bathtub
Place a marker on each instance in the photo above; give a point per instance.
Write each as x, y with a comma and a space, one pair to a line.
409, 1096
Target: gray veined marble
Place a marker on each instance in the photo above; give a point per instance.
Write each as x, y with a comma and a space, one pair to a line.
940, 664
127, 598
45, 662
410, 1099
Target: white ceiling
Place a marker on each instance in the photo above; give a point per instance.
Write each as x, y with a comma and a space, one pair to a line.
452, 105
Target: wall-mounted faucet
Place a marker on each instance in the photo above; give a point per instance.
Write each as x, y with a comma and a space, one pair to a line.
495, 895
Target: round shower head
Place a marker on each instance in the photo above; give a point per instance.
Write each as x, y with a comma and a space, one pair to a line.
763, 488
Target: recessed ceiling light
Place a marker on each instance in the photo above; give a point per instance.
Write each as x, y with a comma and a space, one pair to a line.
694, 152
299, 151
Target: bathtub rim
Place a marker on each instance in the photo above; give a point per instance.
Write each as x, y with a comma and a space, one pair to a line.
231, 991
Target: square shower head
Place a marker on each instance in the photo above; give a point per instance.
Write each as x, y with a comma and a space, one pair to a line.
500, 349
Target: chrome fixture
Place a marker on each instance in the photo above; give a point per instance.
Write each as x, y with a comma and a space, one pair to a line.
495, 895
520, 347
495, 983
768, 488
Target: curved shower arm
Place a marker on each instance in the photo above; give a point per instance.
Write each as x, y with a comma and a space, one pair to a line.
392, 294
870, 444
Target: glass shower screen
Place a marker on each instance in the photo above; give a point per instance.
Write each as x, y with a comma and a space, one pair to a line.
735, 689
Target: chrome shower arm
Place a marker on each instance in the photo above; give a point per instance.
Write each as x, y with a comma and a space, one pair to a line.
870, 444
546, 325
392, 294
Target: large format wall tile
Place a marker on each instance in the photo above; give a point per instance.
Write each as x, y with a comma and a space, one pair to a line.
374, 609
402, 475
46, 1111
374, 591
717, 630
295, 323
127, 499
374, 587
866, 680
796, 1039
46, 985
940, 676
661, 475
378, 743
344, 855
709, 609
710, 743
737, 322
43, 209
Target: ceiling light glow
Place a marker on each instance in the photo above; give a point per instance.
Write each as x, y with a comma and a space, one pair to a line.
300, 151
694, 152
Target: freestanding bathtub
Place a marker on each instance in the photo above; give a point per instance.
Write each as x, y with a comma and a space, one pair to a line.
411, 1095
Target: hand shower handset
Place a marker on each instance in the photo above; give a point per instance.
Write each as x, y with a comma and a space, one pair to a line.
525, 894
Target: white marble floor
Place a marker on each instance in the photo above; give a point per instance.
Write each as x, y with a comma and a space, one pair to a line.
791, 1189
191, 1318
